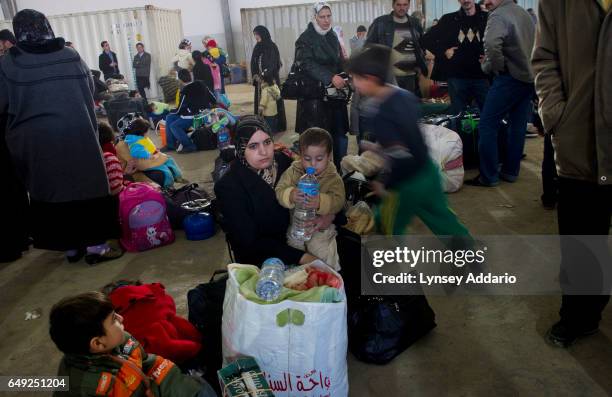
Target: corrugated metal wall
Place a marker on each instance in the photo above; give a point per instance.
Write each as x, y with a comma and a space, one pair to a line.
286, 23
159, 29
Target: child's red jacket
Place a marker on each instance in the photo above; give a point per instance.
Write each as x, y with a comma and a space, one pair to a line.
149, 314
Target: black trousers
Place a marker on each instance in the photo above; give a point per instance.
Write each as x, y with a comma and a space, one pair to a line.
550, 179
584, 208
141, 84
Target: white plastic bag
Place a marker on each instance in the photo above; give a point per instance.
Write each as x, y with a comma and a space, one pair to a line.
304, 358
446, 149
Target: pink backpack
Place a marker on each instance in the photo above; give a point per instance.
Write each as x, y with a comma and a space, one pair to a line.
144, 223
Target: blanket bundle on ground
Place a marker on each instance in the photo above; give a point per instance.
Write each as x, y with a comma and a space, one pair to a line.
149, 314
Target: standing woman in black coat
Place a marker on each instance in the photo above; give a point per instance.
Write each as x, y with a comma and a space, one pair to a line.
318, 54
266, 61
255, 223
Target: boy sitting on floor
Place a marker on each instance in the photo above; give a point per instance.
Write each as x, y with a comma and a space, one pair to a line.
101, 359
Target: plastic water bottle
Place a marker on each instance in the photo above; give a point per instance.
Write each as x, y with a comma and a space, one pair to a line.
271, 278
302, 216
223, 139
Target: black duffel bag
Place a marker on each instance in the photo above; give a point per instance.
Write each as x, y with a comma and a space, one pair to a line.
204, 138
301, 86
175, 198
205, 305
382, 327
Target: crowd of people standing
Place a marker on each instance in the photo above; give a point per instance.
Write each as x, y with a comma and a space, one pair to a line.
497, 58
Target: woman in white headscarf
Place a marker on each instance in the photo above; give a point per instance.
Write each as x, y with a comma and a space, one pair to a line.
319, 55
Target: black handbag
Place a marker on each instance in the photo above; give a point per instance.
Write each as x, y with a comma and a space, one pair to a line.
382, 327
301, 86
176, 198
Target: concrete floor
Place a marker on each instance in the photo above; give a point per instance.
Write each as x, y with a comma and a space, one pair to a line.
483, 346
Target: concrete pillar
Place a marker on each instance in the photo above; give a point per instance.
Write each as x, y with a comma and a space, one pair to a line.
227, 26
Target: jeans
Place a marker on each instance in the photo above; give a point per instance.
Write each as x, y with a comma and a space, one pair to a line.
584, 208
170, 170
507, 96
463, 91
338, 131
175, 131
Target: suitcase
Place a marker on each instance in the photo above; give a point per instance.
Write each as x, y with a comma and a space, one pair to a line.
117, 108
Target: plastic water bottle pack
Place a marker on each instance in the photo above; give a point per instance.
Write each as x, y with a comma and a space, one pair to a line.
302, 216
271, 277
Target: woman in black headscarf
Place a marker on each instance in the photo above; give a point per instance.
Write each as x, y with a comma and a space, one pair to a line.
266, 61
46, 92
255, 223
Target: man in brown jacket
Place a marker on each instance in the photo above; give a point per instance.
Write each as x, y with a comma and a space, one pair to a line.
572, 61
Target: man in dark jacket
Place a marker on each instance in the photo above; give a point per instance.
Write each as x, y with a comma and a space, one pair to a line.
457, 43
402, 33
142, 69
107, 61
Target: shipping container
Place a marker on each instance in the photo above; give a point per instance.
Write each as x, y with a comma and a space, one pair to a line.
286, 23
160, 30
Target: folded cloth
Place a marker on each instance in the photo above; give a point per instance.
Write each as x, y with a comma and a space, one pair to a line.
247, 276
368, 163
360, 219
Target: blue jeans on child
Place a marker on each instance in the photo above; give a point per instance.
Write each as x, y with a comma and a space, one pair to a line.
507, 96
176, 127
170, 170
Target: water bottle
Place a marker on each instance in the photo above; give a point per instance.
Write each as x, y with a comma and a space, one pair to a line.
270, 283
302, 216
223, 139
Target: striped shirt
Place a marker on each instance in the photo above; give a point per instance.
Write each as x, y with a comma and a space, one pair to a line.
114, 173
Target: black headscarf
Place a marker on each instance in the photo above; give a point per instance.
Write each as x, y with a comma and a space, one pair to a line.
264, 33
265, 58
34, 33
246, 127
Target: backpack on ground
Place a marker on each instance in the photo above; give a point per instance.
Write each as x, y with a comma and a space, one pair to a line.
144, 223
204, 138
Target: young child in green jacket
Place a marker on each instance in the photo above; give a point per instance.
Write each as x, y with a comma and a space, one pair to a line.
101, 359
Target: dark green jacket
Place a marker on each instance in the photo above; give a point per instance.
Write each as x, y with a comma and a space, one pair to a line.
317, 55
128, 371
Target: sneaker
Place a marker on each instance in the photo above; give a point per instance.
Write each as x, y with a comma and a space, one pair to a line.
532, 131
182, 150
108, 255
560, 335
76, 255
478, 182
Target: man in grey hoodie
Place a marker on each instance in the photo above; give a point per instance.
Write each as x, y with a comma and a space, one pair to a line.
508, 42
